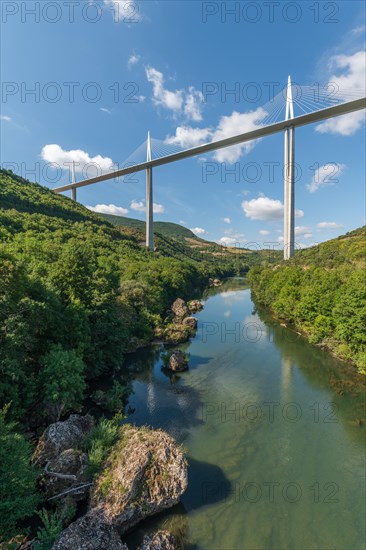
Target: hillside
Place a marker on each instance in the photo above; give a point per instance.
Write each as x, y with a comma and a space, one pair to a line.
322, 293
167, 229
187, 243
75, 290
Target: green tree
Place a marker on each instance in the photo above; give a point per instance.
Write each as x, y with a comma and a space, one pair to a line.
62, 378
18, 496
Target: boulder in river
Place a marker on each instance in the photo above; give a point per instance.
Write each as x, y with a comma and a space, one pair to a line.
68, 474
178, 361
145, 473
194, 306
89, 533
161, 540
60, 436
190, 322
179, 308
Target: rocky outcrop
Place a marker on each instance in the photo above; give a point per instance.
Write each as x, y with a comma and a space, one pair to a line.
145, 474
92, 533
178, 361
194, 306
60, 436
67, 474
161, 540
179, 308
89, 533
190, 322
214, 282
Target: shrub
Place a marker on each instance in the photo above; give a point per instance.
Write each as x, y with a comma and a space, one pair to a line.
18, 496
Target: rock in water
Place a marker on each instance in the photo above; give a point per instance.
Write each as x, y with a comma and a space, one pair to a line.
178, 361
89, 533
179, 308
145, 474
161, 540
61, 436
194, 306
190, 322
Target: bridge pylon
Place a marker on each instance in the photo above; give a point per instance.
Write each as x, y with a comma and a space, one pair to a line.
289, 179
149, 200
73, 190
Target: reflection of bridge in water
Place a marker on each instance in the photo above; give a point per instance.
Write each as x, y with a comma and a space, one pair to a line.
314, 105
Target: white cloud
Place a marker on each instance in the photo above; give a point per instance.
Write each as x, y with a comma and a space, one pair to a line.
329, 225
158, 208
105, 110
109, 209
264, 232
5, 118
193, 104
132, 60
264, 208
232, 238
304, 231
124, 10
237, 123
358, 29
55, 154
345, 125
139, 206
188, 103
199, 230
351, 81
325, 175
227, 220
227, 241
182, 222
169, 100
188, 137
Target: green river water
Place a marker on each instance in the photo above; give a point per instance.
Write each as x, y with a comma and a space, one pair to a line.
271, 427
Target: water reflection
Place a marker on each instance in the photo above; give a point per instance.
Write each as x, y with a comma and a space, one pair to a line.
312, 437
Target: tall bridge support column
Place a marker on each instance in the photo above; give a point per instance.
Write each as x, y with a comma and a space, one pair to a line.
73, 190
149, 200
289, 194
289, 180
149, 211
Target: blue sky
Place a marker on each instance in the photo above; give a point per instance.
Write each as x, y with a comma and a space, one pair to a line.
104, 72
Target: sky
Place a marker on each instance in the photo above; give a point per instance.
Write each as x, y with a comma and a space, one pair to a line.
84, 81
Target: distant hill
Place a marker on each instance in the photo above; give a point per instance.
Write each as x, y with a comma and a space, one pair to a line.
345, 249
35, 207
168, 229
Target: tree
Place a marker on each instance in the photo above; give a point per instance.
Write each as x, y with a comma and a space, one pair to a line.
62, 381
18, 496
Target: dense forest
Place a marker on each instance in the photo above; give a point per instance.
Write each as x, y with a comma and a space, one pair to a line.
75, 291
322, 293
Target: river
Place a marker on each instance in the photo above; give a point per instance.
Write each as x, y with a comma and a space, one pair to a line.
271, 427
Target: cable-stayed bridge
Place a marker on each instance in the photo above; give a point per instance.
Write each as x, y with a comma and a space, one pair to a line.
310, 103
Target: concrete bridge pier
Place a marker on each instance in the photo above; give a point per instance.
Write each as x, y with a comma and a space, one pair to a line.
149, 200
289, 180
